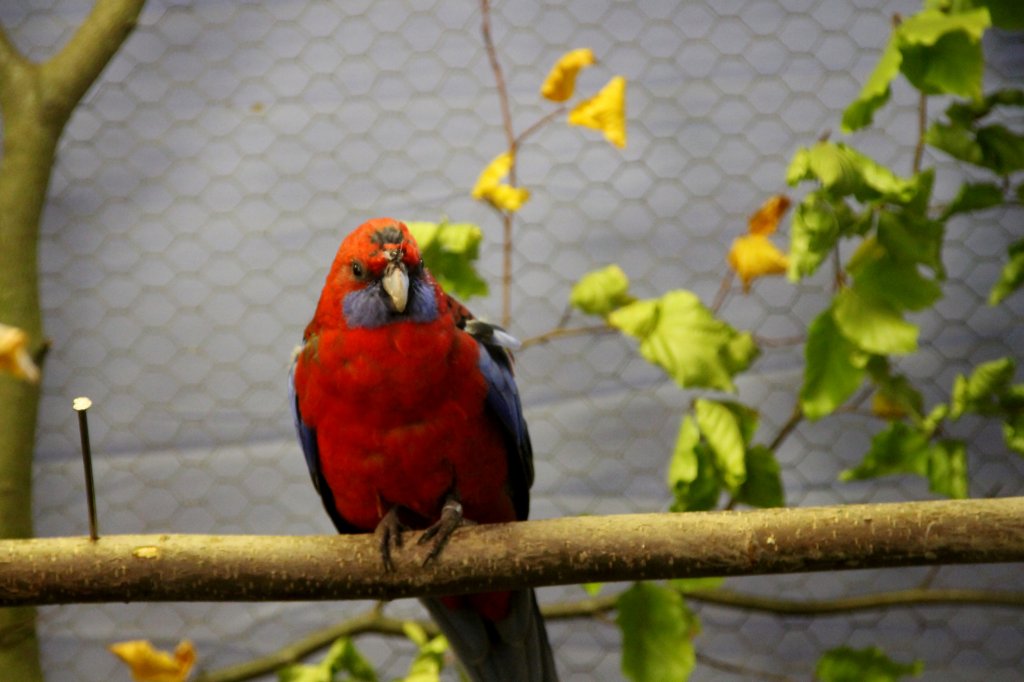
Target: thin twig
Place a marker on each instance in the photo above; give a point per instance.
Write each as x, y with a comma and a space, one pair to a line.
499, 76
565, 332
922, 128
537, 125
735, 668
506, 268
510, 138
794, 420
566, 314
867, 602
838, 276
373, 621
723, 290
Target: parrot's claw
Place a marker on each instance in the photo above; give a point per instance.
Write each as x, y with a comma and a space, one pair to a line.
389, 532
441, 532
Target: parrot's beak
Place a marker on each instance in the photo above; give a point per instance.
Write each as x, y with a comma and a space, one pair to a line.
396, 283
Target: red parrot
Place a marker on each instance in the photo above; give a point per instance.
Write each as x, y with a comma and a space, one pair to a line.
409, 417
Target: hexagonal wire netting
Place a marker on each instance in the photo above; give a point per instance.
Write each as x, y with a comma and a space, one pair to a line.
207, 179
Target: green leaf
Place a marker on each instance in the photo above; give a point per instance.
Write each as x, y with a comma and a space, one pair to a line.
834, 168
429, 660
592, 589
912, 238
763, 485
956, 140
703, 492
898, 284
686, 585
919, 200
898, 449
875, 92
980, 392
845, 664
878, 182
601, 291
1002, 149
720, 427
903, 449
994, 146
895, 392
449, 250
341, 657
942, 51
930, 424
844, 171
833, 370
1006, 14
974, 196
947, 469
813, 234
1013, 432
692, 475
1012, 276
928, 27
657, 634
680, 335
873, 324
965, 113
683, 466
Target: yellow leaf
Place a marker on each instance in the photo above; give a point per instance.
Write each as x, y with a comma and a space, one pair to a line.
605, 111
766, 219
152, 665
561, 81
508, 198
489, 178
490, 188
753, 256
14, 355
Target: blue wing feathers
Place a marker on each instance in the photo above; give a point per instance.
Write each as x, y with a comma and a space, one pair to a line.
503, 401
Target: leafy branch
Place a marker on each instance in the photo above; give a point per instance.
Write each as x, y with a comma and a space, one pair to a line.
374, 621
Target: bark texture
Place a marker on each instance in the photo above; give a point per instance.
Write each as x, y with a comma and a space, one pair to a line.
36, 101
481, 558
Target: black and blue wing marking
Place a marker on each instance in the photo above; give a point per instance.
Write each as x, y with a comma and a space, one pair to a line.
495, 364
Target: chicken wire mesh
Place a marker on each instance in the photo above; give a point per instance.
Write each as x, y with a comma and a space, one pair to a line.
205, 182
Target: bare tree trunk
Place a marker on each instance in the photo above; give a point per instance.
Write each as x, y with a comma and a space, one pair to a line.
36, 101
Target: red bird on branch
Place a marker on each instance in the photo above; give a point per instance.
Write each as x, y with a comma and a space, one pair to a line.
409, 417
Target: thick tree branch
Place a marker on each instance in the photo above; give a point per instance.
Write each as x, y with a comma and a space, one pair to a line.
35, 103
65, 78
490, 557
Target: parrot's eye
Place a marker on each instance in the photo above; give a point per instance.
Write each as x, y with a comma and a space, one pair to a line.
357, 269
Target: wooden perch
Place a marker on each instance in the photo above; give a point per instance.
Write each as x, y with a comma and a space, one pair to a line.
129, 568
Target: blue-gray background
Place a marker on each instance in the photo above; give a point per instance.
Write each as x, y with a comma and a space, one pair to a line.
205, 182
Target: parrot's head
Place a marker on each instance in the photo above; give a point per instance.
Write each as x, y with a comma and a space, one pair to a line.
378, 278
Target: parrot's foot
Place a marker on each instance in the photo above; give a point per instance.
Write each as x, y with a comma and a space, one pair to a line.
389, 533
441, 532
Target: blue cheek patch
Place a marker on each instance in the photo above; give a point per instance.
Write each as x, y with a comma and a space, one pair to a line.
368, 307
